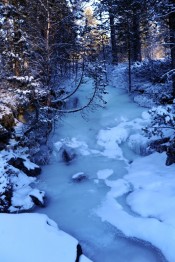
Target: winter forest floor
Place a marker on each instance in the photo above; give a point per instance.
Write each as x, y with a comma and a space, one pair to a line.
115, 197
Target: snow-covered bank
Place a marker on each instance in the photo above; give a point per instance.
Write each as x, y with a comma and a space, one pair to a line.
17, 182
35, 238
148, 191
141, 204
26, 237
18, 170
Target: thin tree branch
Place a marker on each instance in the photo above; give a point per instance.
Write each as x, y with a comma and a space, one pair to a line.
83, 107
72, 93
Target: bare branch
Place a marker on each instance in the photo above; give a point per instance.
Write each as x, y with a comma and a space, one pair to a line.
83, 107
73, 92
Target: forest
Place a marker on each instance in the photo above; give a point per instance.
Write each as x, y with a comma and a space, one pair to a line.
87, 91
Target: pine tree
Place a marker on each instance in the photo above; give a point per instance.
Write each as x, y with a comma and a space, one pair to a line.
52, 37
165, 11
171, 18
14, 48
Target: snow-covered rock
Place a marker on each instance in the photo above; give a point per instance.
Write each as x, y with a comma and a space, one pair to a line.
17, 192
72, 146
78, 177
139, 144
25, 165
68, 155
4, 134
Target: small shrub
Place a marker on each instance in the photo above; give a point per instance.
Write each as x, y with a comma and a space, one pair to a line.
162, 130
152, 70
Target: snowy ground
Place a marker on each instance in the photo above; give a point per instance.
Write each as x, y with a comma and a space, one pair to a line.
142, 203
35, 238
29, 237
148, 209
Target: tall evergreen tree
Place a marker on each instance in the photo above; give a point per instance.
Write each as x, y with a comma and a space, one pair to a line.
171, 18
37, 37
14, 47
165, 12
52, 37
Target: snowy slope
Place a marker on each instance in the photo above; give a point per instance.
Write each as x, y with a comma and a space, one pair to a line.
34, 238
148, 191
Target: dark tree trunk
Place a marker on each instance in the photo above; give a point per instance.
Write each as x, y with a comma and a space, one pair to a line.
129, 37
129, 67
172, 44
136, 56
113, 38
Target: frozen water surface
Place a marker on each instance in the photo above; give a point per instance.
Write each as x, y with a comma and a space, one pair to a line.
72, 204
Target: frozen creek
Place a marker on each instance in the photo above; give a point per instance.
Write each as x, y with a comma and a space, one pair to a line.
72, 205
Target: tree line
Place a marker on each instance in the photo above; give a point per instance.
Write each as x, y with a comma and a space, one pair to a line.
137, 26
42, 38
43, 41
37, 38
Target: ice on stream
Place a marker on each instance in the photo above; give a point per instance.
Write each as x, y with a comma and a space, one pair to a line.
105, 145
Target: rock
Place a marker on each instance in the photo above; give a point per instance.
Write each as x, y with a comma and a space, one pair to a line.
4, 134
5, 199
165, 145
170, 154
79, 177
6, 117
6, 190
19, 164
37, 201
42, 157
166, 100
68, 156
2, 145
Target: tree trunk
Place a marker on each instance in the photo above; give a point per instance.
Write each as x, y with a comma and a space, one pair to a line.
129, 34
129, 67
172, 45
113, 38
136, 40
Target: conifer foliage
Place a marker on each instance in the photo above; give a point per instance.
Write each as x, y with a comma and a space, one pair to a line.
37, 37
